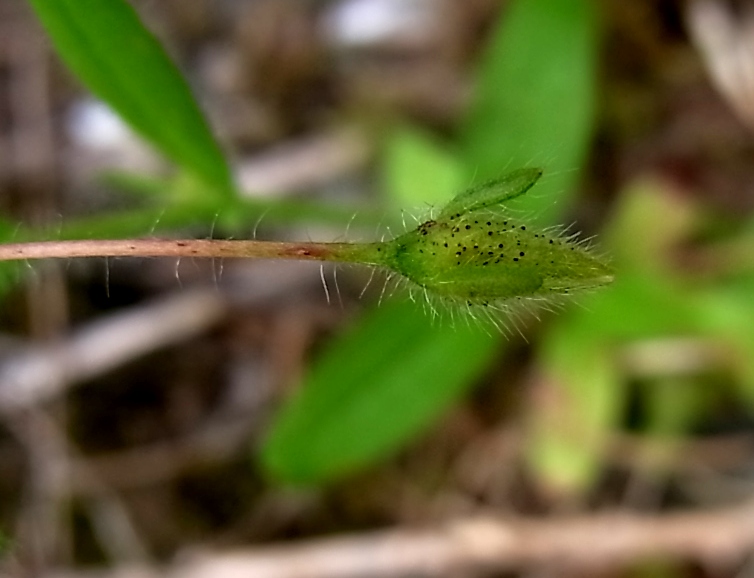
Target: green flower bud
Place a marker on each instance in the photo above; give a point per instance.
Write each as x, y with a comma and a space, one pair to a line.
476, 252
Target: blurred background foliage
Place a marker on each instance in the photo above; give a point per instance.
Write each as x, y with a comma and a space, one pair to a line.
640, 395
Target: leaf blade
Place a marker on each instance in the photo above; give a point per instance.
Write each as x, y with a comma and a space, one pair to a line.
374, 388
105, 44
535, 102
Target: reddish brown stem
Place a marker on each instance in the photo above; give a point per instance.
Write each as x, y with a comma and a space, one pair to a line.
353, 252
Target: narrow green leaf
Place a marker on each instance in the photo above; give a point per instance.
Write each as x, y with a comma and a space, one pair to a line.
567, 436
121, 62
376, 386
535, 98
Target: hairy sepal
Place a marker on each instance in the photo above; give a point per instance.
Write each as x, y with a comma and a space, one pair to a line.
478, 253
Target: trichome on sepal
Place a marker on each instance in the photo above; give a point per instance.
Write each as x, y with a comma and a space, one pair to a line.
476, 252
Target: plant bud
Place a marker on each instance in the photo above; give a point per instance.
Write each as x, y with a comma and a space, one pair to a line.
476, 252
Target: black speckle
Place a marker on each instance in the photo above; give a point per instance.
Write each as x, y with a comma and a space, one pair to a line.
458, 263
505, 222
489, 233
476, 222
497, 260
452, 217
550, 241
445, 244
424, 231
490, 253
486, 263
379, 249
458, 214
458, 253
468, 227
464, 248
421, 250
521, 254
515, 258
489, 223
476, 246
523, 228
500, 246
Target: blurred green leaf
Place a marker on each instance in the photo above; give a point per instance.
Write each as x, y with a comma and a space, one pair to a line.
727, 313
535, 100
120, 61
418, 171
568, 429
377, 385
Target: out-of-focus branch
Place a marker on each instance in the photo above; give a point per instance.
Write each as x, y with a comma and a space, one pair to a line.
36, 373
720, 538
726, 41
42, 372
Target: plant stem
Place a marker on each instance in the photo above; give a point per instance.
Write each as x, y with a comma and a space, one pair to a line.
368, 253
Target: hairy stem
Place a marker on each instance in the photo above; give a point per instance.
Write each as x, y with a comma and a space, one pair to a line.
367, 253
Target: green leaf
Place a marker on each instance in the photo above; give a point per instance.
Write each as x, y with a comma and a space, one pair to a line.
535, 98
418, 170
376, 386
121, 62
568, 434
